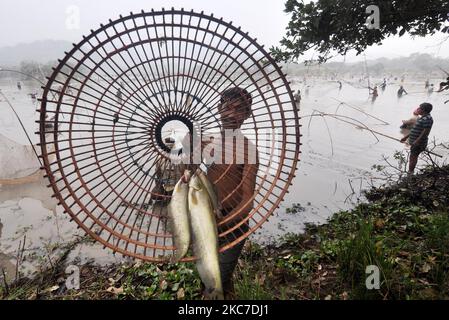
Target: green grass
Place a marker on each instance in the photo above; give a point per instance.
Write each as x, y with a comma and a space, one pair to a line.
360, 250
247, 287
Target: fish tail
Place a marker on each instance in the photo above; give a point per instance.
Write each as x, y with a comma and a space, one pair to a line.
213, 288
214, 294
176, 257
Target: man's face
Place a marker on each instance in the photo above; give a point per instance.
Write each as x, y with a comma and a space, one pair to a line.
421, 111
232, 114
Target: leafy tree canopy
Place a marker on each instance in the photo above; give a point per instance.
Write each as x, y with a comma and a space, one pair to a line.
339, 25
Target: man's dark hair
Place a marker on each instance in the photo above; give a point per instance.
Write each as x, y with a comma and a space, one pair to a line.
238, 94
426, 107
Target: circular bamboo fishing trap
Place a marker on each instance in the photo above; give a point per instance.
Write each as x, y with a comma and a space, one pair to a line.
107, 109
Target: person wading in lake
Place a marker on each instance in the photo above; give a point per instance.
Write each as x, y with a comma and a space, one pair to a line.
419, 135
383, 85
374, 95
297, 98
401, 91
430, 90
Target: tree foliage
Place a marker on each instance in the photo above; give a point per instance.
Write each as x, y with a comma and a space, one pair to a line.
339, 25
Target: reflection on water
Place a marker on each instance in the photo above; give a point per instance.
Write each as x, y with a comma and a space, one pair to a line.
35, 189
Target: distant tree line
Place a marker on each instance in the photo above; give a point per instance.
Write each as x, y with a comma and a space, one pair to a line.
419, 63
28, 70
35, 69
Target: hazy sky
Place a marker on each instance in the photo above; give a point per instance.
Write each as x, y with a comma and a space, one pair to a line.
30, 20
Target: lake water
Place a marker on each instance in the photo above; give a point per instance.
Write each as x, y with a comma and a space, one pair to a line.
335, 165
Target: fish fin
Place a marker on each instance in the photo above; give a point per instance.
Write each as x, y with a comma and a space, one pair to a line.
180, 252
218, 214
177, 253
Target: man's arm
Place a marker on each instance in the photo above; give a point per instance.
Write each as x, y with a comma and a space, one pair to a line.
407, 122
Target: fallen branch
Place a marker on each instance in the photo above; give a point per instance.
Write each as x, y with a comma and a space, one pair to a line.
361, 126
360, 110
5, 283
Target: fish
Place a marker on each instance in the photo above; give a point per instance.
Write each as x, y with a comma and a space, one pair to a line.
178, 214
212, 194
205, 238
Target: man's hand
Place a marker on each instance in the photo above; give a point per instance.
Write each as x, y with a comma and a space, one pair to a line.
404, 139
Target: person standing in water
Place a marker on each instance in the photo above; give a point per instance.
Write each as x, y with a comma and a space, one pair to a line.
33, 97
430, 90
297, 98
419, 135
19, 85
401, 92
383, 85
374, 95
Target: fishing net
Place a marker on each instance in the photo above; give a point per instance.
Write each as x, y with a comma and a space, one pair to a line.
129, 93
17, 162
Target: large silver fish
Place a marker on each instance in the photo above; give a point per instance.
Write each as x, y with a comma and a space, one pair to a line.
205, 238
178, 214
211, 191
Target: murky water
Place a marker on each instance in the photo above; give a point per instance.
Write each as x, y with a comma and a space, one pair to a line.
338, 161
335, 165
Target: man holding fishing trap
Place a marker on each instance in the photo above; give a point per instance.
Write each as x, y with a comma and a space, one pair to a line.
236, 189
419, 134
214, 199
